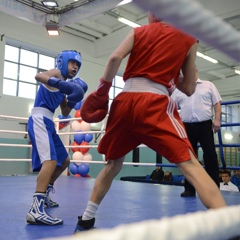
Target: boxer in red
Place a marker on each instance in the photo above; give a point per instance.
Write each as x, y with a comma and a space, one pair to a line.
143, 113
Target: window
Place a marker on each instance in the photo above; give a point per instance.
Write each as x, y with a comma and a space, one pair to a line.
226, 116
116, 88
20, 68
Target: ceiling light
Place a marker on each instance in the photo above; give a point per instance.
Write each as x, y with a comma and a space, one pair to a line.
210, 59
200, 54
207, 57
128, 22
50, 3
52, 28
237, 71
123, 2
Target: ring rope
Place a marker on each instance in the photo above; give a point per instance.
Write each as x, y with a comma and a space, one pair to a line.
192, 17
92, 162
10, 131
84, 132
66, 146
104, 162
213, 224
102, 131
4, 117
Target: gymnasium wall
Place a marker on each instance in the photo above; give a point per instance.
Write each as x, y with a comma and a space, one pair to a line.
35, 36
24, 167
14, 167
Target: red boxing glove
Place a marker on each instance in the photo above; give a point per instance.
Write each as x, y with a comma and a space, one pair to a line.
95, 107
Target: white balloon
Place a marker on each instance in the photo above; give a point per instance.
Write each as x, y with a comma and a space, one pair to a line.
87, 157
76, 126
85, 126
77, 156
96, 126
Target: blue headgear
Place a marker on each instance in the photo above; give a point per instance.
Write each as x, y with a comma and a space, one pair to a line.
64, 57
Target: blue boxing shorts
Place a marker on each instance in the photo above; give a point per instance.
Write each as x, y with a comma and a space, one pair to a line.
46, 143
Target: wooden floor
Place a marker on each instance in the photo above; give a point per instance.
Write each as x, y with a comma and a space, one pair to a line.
127, 202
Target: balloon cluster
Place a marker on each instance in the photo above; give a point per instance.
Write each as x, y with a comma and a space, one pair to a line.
80, 143
82, 169
65, 123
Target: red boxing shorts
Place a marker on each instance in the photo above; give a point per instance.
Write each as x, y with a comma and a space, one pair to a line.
145, 118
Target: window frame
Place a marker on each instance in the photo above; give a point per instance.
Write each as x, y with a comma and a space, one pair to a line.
115, 90
226, 116
19, 64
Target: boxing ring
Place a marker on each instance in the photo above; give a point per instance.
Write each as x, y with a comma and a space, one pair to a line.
65, 133
72, 191
147, 211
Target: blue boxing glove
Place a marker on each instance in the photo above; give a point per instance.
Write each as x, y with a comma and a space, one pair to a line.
74, 91
81, 83
63, 86
76, 96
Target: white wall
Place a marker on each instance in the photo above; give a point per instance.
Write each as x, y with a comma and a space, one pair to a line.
36, 35
229, 86
94, 60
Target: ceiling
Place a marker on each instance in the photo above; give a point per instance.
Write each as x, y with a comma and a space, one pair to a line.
100, 25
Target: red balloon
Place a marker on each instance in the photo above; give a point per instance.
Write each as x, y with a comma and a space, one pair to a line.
74, 144
84, 150
78, 115
77, 175
62, 125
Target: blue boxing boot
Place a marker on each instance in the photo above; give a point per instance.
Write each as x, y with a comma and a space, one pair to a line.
37, 214
49, 203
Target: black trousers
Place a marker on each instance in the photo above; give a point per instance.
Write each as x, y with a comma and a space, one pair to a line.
201, 132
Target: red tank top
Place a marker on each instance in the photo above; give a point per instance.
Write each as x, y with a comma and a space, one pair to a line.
158, 53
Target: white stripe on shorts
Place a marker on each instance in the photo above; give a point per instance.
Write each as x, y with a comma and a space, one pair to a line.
179, 128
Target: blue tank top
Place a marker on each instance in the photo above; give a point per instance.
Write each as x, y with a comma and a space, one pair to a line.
48, 99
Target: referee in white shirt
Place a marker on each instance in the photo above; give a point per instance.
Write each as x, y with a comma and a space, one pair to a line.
196, 113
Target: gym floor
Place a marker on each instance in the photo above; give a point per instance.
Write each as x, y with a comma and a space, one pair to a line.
126, 202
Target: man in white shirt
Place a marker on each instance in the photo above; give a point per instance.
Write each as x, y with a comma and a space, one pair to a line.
226, 184
196, 113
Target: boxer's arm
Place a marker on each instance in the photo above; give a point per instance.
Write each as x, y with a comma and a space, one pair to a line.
43, 77
95, 107
117, 56
188, 83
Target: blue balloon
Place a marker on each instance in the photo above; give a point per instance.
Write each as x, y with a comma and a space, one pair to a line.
83, 169
73, 168
78, 105
88, 137
79, 138
63, 117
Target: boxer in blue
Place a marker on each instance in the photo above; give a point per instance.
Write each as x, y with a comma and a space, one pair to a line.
49, 156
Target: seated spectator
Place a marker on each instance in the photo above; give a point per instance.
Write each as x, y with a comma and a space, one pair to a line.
167, 176
220, 175
226, 184
157, 174
235, 179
